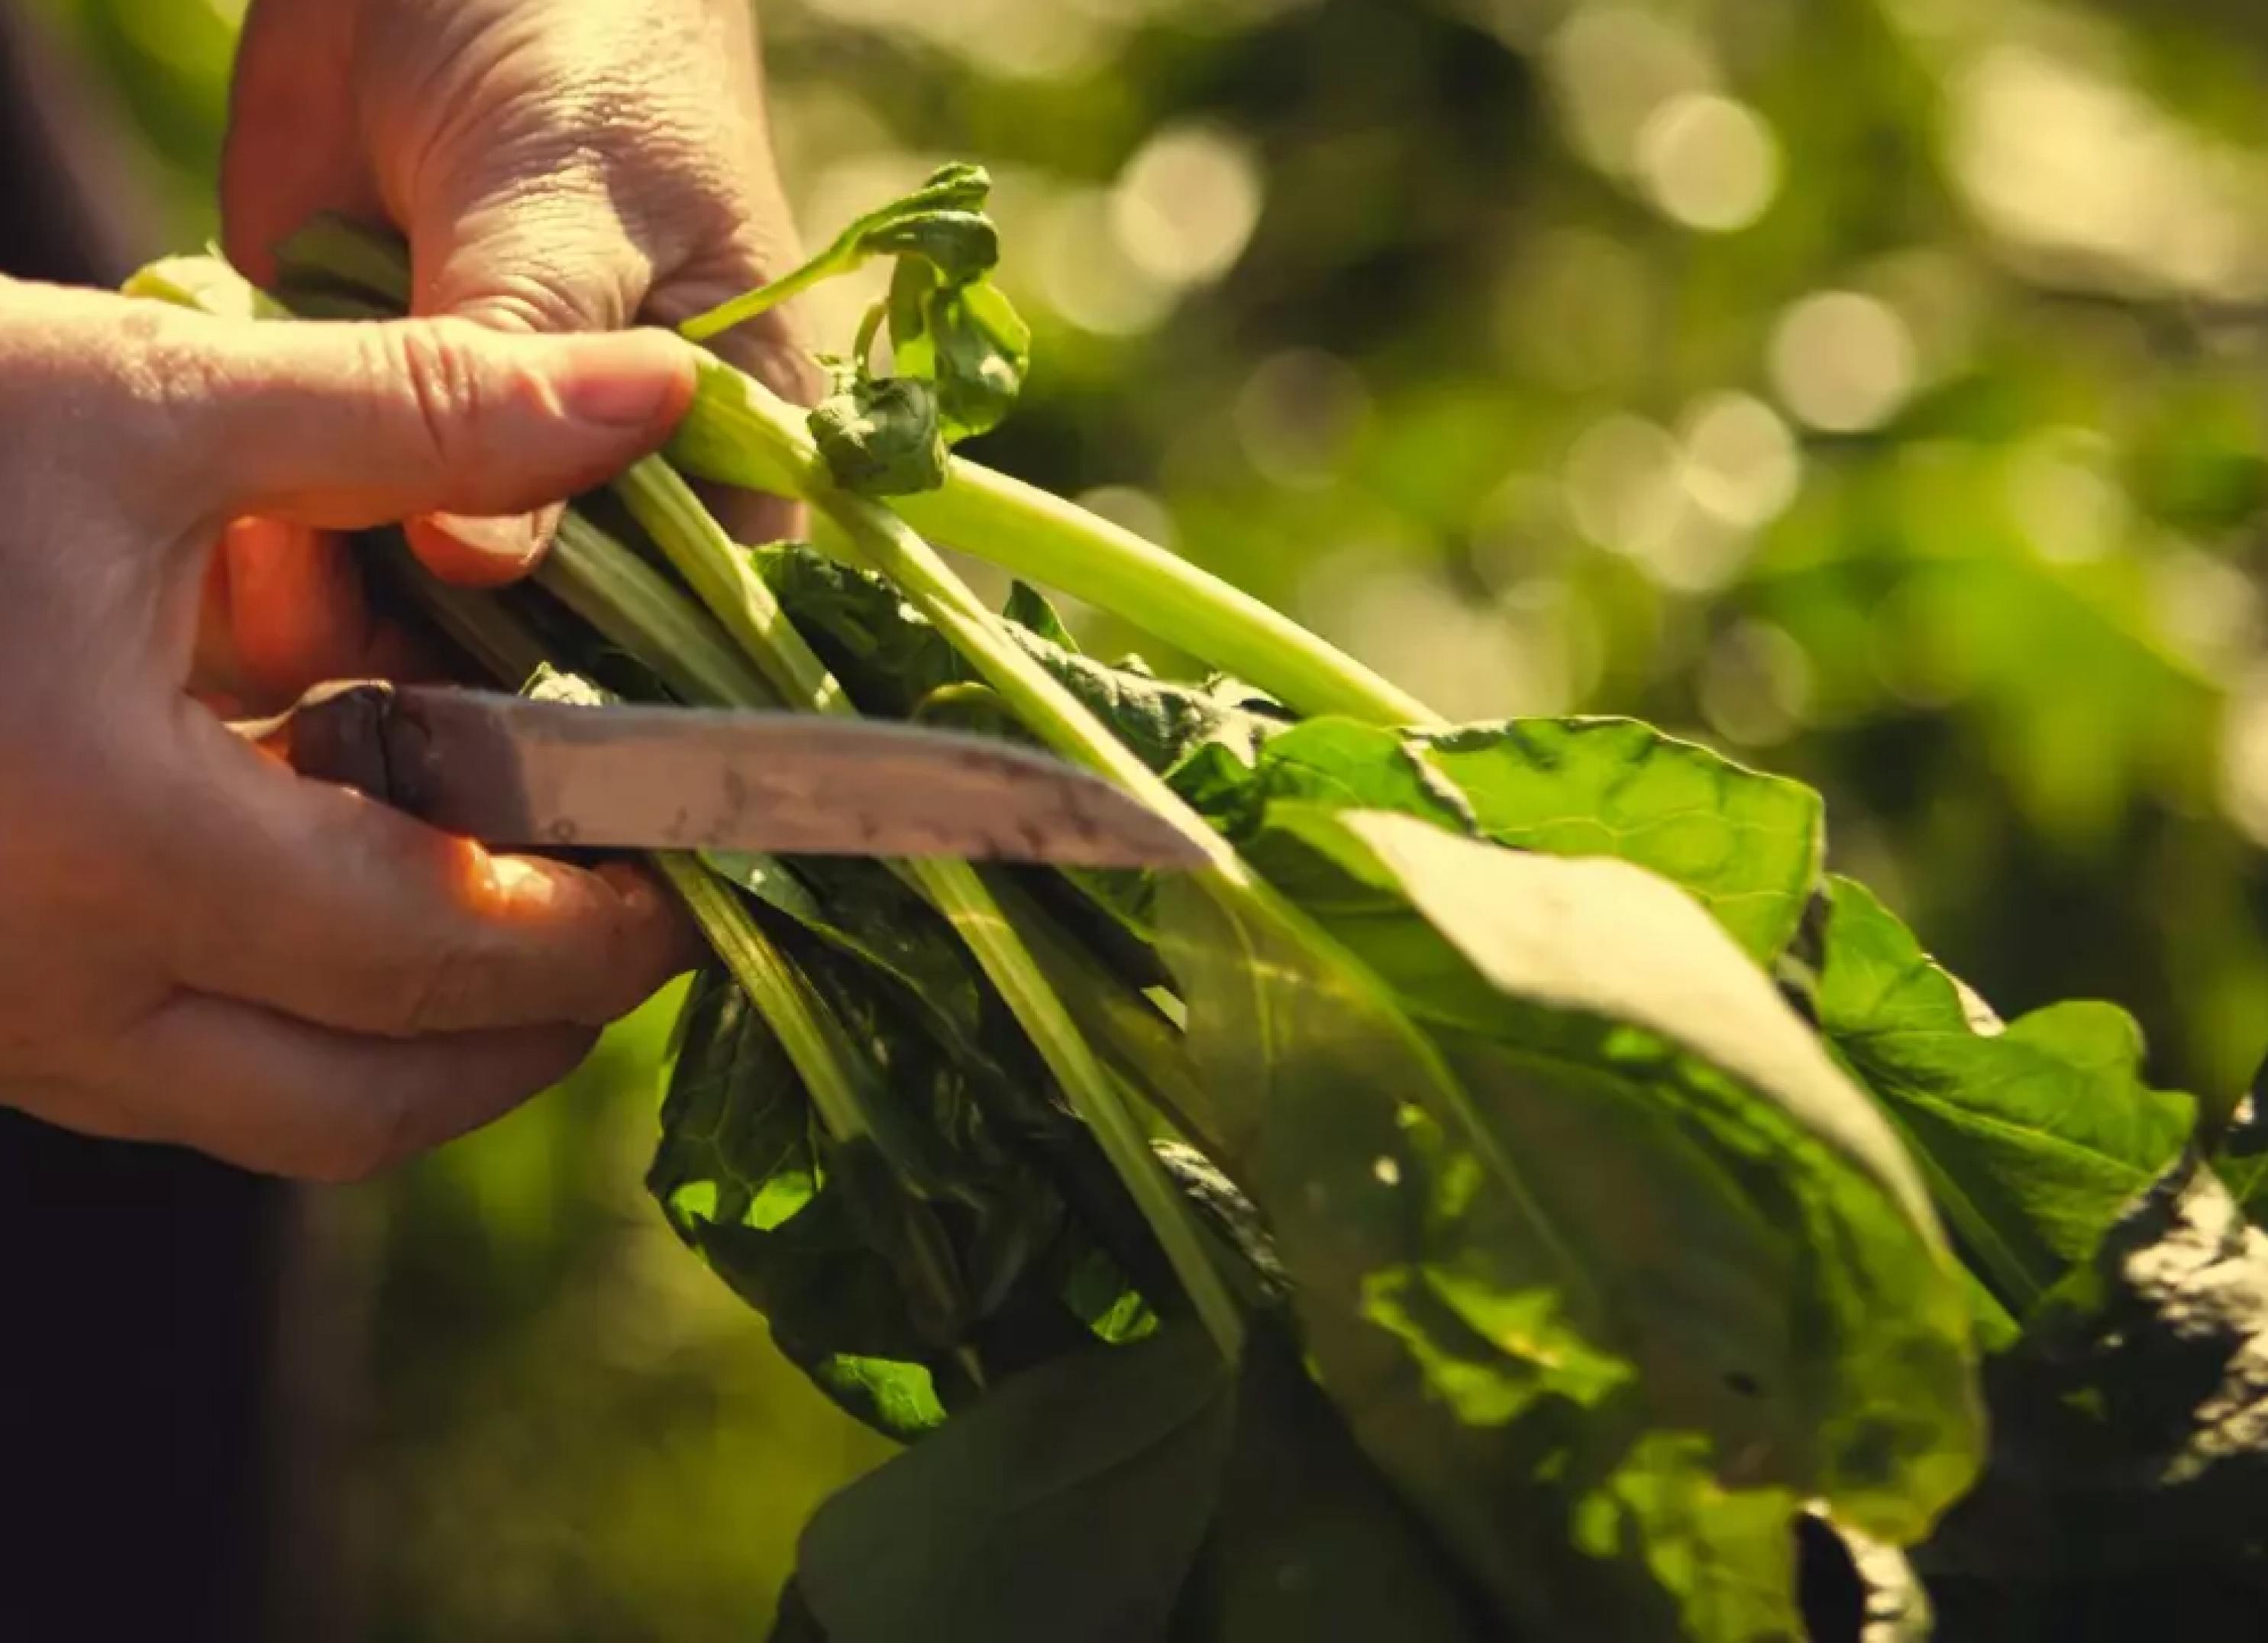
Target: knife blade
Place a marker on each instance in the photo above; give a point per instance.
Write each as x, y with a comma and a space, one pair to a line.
515, 772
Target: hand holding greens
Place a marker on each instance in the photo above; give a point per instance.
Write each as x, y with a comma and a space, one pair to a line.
1509, 1177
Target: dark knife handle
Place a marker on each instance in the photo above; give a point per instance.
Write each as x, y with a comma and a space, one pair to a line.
359, 734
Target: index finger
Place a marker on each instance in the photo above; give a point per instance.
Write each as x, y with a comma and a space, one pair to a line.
323, 904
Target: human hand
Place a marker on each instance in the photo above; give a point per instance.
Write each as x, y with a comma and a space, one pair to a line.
555, 165
196, 946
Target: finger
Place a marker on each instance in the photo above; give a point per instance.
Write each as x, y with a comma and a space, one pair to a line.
298, 613
326, 905
296, 608
474, 552
291, 62
527, 258
349, 425
277, 1095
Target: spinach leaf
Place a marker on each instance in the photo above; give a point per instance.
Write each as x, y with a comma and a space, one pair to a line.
890, 659
867, 912
1309, 1541
743, 1176
1723, 1183
886, 654
1030, 610
1338, 763
941, 223
1068, 1504
963, 336
1750, 847
1611, 1266
882, 437
2034, 1137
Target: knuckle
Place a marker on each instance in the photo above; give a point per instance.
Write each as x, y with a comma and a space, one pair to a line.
429, 369
532, 301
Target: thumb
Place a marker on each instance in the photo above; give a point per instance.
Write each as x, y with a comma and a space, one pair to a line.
348, 426
504, 263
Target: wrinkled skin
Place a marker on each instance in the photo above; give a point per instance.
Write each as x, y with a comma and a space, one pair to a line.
195, 946
556, 165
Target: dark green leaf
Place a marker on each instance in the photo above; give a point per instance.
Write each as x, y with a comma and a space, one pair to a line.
1068, 1504
2034, 1137
1334, 763
881, 437
1749, 846
967, 339
1309, 1541
886, 654
1029, 609
960, 245
743, 1176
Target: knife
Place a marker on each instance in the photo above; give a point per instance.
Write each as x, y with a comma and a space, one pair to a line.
512, 771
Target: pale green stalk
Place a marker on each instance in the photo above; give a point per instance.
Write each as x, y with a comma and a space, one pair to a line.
775, 989
722, 575
474, 621
693, 542
740, 433
762, 300
634, 607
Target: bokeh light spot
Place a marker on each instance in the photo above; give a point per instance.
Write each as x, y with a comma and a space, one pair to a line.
1613, 65
1709, 162
1298, 415
1084, 274
1754, 685
1741, 460
1187, 203
1844, 362
2064, 500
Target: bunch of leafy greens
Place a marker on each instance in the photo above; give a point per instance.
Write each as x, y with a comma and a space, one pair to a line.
1499, 1193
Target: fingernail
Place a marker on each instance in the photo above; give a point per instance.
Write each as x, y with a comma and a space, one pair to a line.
513, 540
626, 379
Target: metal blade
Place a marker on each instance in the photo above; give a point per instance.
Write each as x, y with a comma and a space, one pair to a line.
514, 772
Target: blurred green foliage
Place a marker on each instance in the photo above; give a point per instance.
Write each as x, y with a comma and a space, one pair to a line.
1872, 387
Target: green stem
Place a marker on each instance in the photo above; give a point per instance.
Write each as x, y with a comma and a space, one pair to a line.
332, 250
634, 607
740, 433
961, 895
477, 623
724, 578
693, 542
862, 348
751, 305
1046, 539
775, 989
